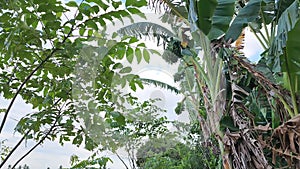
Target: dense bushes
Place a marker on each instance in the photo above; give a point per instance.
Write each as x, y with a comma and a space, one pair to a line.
163, 153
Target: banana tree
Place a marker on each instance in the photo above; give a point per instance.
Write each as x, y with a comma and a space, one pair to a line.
281, 54
215, 25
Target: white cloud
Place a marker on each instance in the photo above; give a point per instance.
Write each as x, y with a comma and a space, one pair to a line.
252, 48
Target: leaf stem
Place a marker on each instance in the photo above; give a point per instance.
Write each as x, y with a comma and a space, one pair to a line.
257, 37
170, 4
264, 38
265, 27
286, 105
290, 85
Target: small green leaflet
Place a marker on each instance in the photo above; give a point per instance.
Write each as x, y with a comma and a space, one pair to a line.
2, 110
146, 55
129, 54
125, 70
72, 4
138, 55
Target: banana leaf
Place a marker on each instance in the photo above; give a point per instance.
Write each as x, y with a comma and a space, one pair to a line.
221, 19
246, 15
211, 17
291, 59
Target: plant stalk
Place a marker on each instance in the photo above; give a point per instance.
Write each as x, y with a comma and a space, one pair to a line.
258, 38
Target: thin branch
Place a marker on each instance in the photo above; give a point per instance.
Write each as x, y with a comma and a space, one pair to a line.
45, 136
258, 38
12, 151
122, 160
28, 78
19, 143
21, 87
40, 142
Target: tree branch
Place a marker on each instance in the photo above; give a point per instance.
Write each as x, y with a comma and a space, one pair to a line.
40, 142
16, 146
28, 78
22, 139
122, 161
45, 136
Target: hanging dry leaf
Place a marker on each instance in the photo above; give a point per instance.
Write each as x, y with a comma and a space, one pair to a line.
263, 128
289, 140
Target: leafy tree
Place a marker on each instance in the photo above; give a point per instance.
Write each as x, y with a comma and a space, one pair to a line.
48, 58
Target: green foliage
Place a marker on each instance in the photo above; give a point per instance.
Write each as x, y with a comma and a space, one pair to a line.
92, 162
169, 153
212, 18
205, 11
282, 5
179, 108
4, 150
227, 123
246, 15
43, 59
285, 24
136, 3
221, 18
290, 62
159, 84
254, 92
140, 29
281, 55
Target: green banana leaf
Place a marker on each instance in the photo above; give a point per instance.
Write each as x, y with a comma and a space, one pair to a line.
286, 23
246, 15
205, 10
285, 48
211, 17
221, 19
292, 59
282, 5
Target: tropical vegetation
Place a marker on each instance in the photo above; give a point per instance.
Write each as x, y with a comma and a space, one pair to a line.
68, 68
